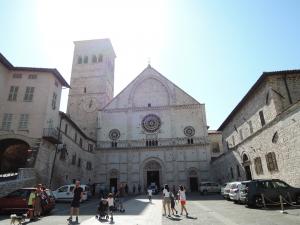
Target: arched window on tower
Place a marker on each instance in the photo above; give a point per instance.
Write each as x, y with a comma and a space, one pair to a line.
79, 60
86, 59
94, 59
100, 58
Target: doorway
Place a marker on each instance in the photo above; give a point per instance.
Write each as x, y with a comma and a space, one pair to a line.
194, 184
153, 177
248, 173
113, 184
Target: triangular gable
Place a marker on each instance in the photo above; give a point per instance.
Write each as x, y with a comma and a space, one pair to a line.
125, 99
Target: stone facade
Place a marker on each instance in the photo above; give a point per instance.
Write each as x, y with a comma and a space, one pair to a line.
152, 121
263, 128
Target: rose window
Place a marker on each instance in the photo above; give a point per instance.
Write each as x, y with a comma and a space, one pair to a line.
151, 123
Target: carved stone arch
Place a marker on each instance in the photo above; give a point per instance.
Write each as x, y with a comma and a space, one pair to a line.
152, 164
139, 82
192, 172
114, 173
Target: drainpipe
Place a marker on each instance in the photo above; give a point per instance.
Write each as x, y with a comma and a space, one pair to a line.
55, 154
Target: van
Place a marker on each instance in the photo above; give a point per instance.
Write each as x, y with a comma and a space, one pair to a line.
209, 187
65, 193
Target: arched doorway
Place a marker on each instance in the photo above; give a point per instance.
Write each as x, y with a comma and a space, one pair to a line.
152, 173
113, 180
246, 165
193, 180
14, 154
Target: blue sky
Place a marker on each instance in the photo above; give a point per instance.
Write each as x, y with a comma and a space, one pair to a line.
214, 50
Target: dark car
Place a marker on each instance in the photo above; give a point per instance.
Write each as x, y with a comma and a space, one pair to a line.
252, 192
16, 201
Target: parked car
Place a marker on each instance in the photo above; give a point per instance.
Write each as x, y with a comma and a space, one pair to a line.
223, 188
226, 191
209, 187
16, 201
234, 193
251, 192
65, 193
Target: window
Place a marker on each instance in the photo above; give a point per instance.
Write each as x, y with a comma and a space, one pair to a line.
271, 161
233, 141
241, 134
56, 83
23, 122
73, 159
94, 59
75, 138
149, 104
88, 165
100, 58
190, 141
262, 118
29, 94
85, 60
79, 162
6, 121
13, 92
54, 101
80, 142
66, 129
258, 166
84, 90
238, 170
231, 172
250, 126
63, 153
215, 147
79, 60
17, 76
32, 76
114, 144
90, 147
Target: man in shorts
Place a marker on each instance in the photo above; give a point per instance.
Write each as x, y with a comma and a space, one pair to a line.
77, 197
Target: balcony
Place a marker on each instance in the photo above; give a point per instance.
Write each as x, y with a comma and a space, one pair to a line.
51, 135
165, 142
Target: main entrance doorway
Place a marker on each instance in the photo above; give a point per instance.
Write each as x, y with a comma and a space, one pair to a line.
153, 177
152, 174
113, 184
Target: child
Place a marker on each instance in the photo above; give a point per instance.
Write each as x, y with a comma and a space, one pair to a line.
111, 207
150, 195
173, 203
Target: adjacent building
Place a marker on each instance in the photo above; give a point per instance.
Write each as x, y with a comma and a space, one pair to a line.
261, 135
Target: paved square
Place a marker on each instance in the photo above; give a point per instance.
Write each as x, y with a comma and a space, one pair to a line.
204, 210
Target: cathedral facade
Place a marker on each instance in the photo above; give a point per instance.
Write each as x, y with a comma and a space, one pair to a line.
151, 132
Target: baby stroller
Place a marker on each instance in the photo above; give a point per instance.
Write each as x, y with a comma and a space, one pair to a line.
102, 212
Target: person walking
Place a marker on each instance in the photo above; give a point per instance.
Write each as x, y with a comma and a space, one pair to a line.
173, 202
139, 189
182, 199
31, 201
111, 206
150, 195
121, 195
77, 197
133, 189
166, 200
126, 189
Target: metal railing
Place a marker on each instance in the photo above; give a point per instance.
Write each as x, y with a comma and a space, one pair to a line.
8, 176
51, 134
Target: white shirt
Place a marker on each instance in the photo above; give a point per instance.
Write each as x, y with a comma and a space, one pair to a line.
110, 201
182, 195
150, 192
166, 193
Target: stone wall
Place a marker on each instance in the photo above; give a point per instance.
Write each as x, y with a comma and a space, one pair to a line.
26, 178
281, 136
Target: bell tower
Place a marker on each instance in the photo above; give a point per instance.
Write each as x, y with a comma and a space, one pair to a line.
92, 82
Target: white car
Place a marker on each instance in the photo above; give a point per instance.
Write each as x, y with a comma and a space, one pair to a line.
209, 187
65, 193
235, 190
